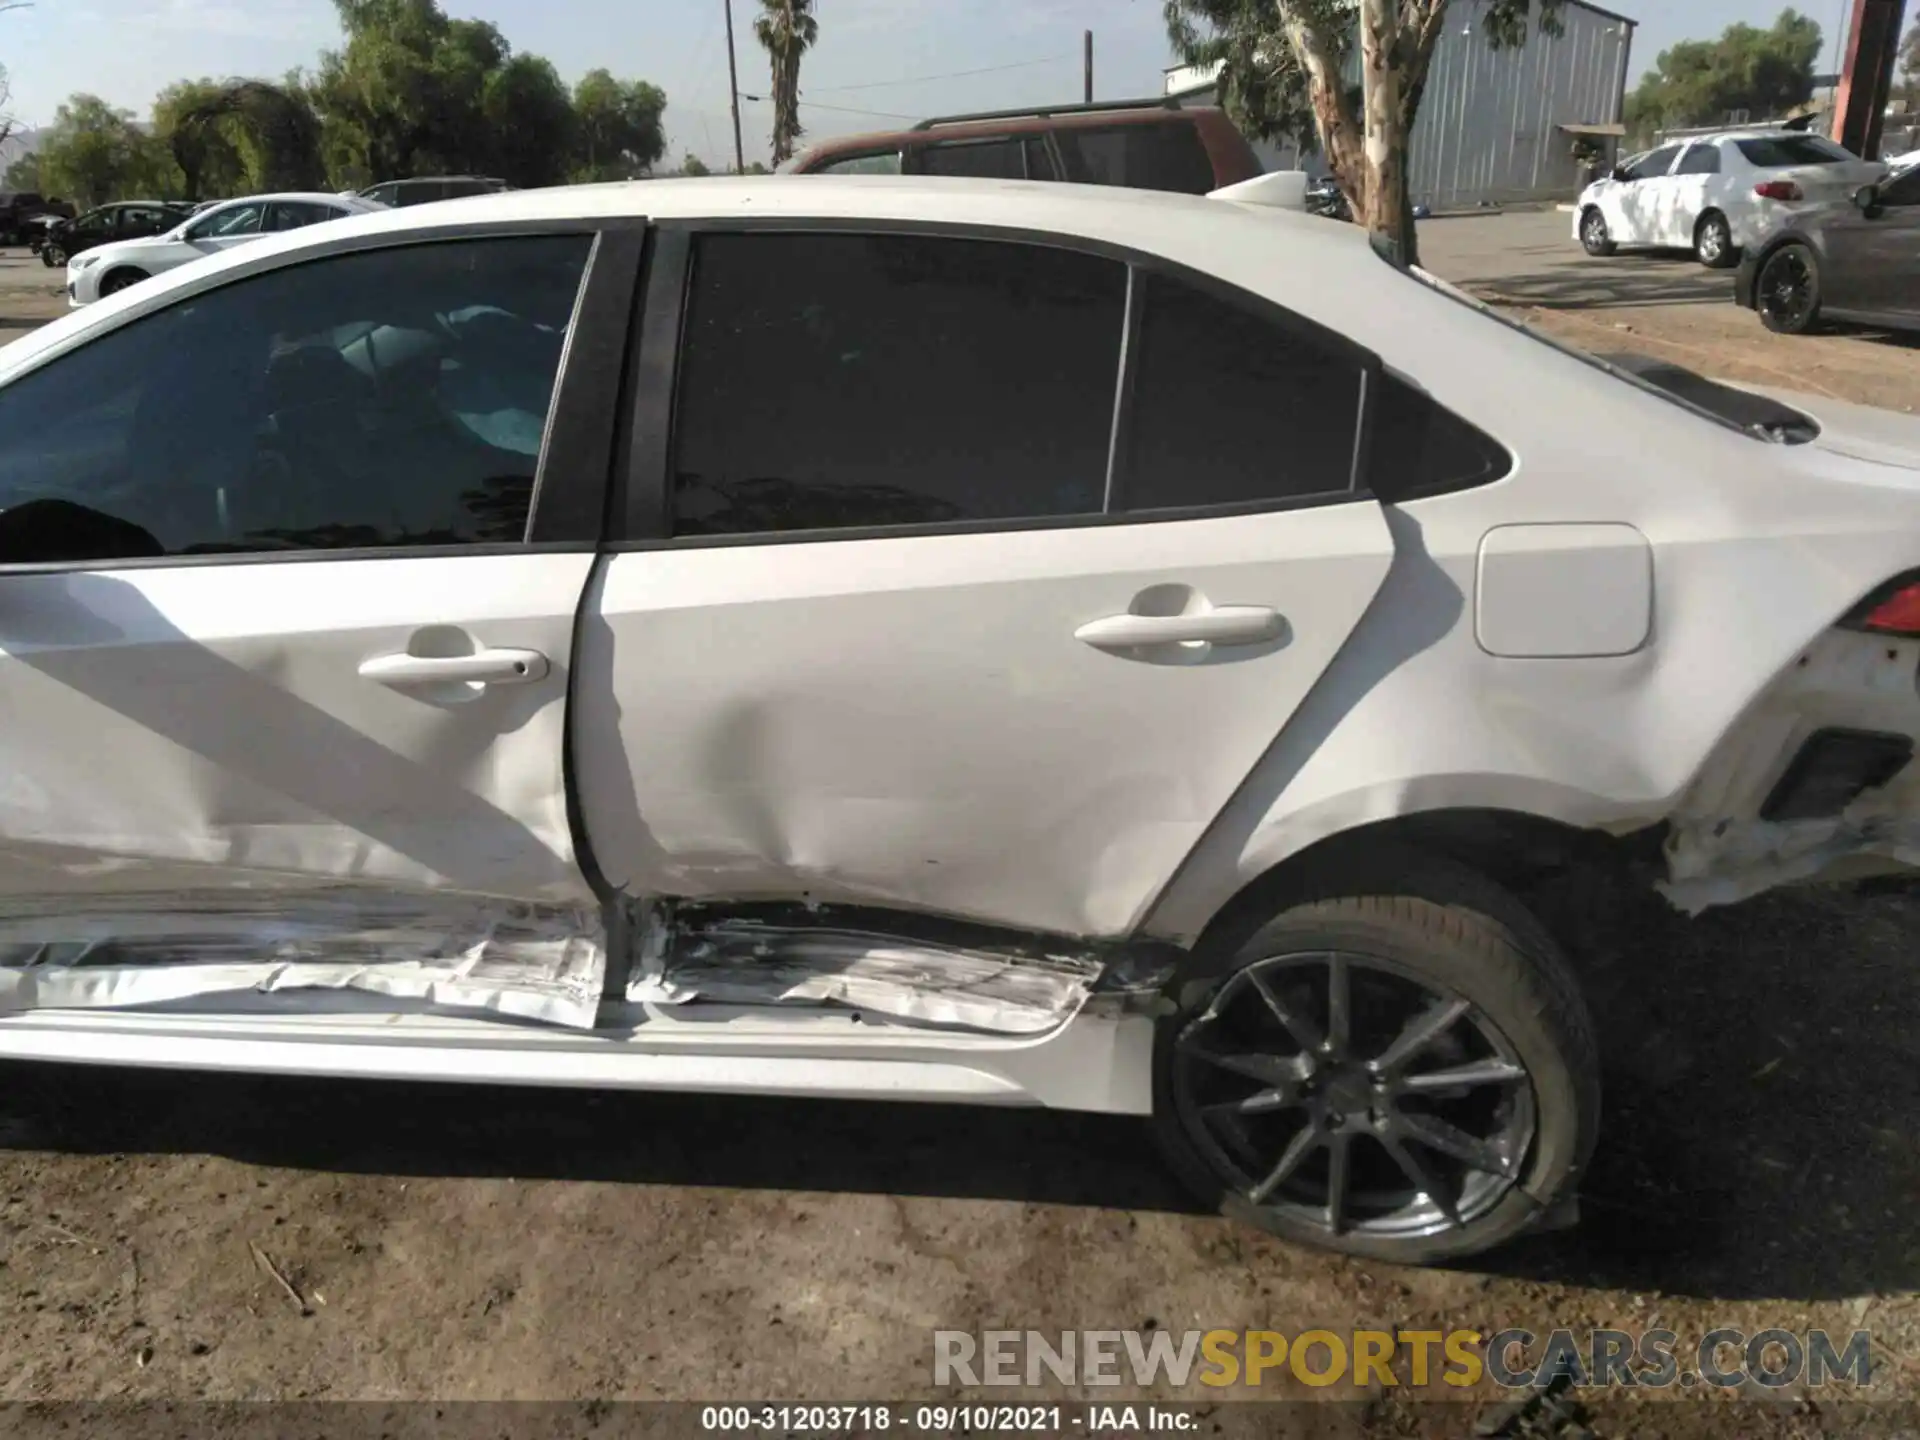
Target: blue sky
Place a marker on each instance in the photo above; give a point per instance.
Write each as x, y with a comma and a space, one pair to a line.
874, 55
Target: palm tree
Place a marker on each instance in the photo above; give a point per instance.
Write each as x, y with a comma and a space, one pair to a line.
786, 30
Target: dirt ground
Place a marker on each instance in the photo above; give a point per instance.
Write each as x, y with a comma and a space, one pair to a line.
1759, 1166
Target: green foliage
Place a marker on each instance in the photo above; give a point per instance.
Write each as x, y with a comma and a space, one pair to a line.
617, 129
694, 165
1700, 82
22, 174
93, 153
233, 137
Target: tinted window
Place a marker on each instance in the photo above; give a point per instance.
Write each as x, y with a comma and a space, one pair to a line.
296, 214
1146, 157
887, 163
1776, 151
393, 397
382, 194
1417, 448
989, 159
854, 380
1232, 407
1040, 164
1902, 189
1656, 163
1699, 160
247, 219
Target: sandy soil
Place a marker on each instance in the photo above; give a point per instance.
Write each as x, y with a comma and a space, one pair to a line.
1759, 1168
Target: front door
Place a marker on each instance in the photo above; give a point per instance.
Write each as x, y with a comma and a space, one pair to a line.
1635, 206
930, 630
271, 651
1874, 260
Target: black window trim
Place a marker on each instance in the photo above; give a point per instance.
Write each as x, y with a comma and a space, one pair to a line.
650, 414
573, 477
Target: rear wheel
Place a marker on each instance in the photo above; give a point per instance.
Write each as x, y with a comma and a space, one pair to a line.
1593, 233
52, 256
120, 280
1713, 243
1402, 1070
1787, 290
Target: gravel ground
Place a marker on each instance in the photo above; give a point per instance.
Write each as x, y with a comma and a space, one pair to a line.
1758, 1169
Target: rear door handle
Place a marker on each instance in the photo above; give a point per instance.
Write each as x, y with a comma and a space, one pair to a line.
1223, 625
482, 667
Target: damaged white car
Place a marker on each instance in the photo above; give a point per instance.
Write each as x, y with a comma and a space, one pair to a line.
939, 640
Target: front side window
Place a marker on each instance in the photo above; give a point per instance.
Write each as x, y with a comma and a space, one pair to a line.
1653, 164
297, 214
834, 381
1233, 408
1699, 160
392, 397
383, 194
247, 219
1158, 156
885, 163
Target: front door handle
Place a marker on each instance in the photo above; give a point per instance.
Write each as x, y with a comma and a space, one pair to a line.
482, 667
1223, 625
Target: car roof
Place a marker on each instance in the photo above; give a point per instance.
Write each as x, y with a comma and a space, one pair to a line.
1237, 241
317, 196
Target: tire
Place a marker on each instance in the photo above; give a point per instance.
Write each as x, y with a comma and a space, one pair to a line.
1713, 243
1441, 940
121, 279
52, 256
1786, 291
1593, 233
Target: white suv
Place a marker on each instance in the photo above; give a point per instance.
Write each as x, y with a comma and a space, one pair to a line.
943, 640
1714, 195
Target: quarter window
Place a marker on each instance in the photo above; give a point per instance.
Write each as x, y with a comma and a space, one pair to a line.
1231, 407
863, 380
387, 398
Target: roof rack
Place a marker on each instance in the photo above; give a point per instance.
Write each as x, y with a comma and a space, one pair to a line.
1045, 112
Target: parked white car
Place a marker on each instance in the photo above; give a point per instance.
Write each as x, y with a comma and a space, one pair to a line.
106, 269
991, 642
1715, 195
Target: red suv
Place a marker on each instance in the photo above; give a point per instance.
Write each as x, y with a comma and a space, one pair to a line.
1146, 144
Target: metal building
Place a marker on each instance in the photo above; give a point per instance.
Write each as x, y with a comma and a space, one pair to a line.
1495, 126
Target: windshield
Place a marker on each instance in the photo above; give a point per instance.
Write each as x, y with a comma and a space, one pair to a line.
1753, 415
1776, 152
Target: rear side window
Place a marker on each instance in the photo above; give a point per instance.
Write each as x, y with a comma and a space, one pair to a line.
1419, 448
1231, 407
987, 159
1166, 156
1777, 151
1699, 160
832, 381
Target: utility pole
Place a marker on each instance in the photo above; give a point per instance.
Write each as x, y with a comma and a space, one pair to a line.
1088, 39
733, 95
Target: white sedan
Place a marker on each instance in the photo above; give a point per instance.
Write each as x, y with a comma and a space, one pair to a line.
109, 268
1715, 195
948, 640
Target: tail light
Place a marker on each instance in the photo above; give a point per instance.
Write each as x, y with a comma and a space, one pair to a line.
1893, 609
1777, 190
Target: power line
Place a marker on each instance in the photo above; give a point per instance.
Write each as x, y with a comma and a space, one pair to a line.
842, 109
948, 75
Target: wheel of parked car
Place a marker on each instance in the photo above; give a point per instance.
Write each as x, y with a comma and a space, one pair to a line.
1713, 242
1399, 1066
1593, 233
53, 256
121, 279
1787, 290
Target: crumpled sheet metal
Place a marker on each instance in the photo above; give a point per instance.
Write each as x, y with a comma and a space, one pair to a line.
748, 962
465, 952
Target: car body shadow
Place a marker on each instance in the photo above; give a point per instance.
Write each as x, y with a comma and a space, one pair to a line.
1759, 1141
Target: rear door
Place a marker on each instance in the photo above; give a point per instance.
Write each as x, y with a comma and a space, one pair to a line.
1695, 178
1146, 155
269, 615
910, 620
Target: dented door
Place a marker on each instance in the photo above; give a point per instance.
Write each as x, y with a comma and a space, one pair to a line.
933, 631
270, 650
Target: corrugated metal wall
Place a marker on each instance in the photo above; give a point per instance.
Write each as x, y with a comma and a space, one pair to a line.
1488, 121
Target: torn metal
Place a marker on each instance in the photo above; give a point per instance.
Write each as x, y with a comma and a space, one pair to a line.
464, 952
736, 960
